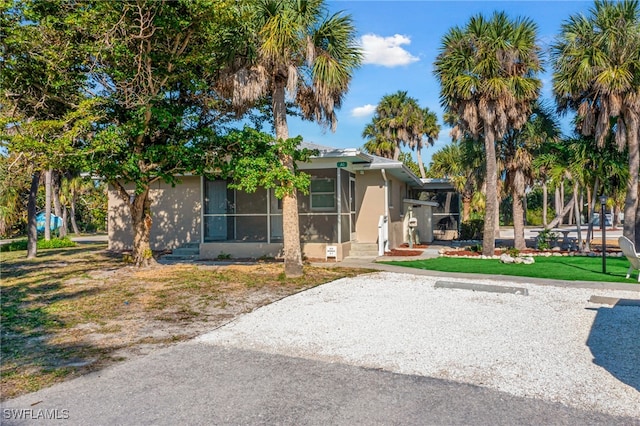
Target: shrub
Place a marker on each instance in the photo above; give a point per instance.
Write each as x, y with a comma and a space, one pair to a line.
53, 243
472, 229
546, 239
512, 251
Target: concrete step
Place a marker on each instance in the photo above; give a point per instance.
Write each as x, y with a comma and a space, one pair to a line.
178, 257
360, 250
362, 253
191, 245
187, 251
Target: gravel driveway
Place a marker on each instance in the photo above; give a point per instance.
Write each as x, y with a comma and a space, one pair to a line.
552, 344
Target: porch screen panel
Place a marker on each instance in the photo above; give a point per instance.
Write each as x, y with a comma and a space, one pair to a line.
319, 228
251, 203
251, 228
345, 226
344, 191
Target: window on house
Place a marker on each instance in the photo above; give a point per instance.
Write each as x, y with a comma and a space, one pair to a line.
323, 194
390, 192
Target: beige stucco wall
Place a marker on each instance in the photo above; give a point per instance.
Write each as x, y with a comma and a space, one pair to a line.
175, 213
370, 206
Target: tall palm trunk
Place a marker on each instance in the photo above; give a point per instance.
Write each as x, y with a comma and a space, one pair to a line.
518, 197
32, 230
489, 237
290, 218
466, 206
423, 174
545, 196
592, 206
396, 152
631, 228
577, 214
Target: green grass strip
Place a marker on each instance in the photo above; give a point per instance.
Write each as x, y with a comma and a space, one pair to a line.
570, 268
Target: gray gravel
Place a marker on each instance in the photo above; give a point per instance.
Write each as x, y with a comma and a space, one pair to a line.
552, 345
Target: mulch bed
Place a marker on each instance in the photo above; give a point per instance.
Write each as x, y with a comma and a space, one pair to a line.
417, 246
401, 252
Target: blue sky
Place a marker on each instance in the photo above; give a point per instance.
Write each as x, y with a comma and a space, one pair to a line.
401, 40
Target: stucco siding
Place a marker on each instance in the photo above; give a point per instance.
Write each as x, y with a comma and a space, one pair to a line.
175, 214
370, 205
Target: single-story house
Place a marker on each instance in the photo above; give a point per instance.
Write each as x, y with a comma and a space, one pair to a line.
356, 201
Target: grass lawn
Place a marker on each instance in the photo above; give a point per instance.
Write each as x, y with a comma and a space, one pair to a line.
571, 268
75, 310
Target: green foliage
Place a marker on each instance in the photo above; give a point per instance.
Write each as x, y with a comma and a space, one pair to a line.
254, 160
534, 216
476, 248
223, 256
472, 229
513, 252
546, 239
53, 243
407, 160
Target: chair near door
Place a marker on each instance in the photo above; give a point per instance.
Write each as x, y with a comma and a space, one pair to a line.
630, 252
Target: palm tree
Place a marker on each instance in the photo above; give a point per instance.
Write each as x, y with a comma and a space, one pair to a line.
518, 148
487, 76
399, 120
430, 131
305, 54
377, 143
597, 74
390, 126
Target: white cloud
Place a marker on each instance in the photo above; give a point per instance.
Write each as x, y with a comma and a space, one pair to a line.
363, 111
386, 51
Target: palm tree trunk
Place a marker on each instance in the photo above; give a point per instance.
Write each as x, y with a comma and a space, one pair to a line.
631, 227
423, 174
290, 218
466, 207
561, 213
570, 217
396, 152
47, 204
577, 213
491, 211
518, 211
558, 204
562, 201
32, 230
592, 206
545, 195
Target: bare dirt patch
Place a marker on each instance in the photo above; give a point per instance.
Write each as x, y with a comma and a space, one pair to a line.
74, 311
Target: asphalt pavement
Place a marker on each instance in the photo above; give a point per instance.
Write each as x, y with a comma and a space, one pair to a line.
199, 384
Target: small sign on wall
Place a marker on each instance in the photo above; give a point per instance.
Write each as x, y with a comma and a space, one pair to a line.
332, 251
